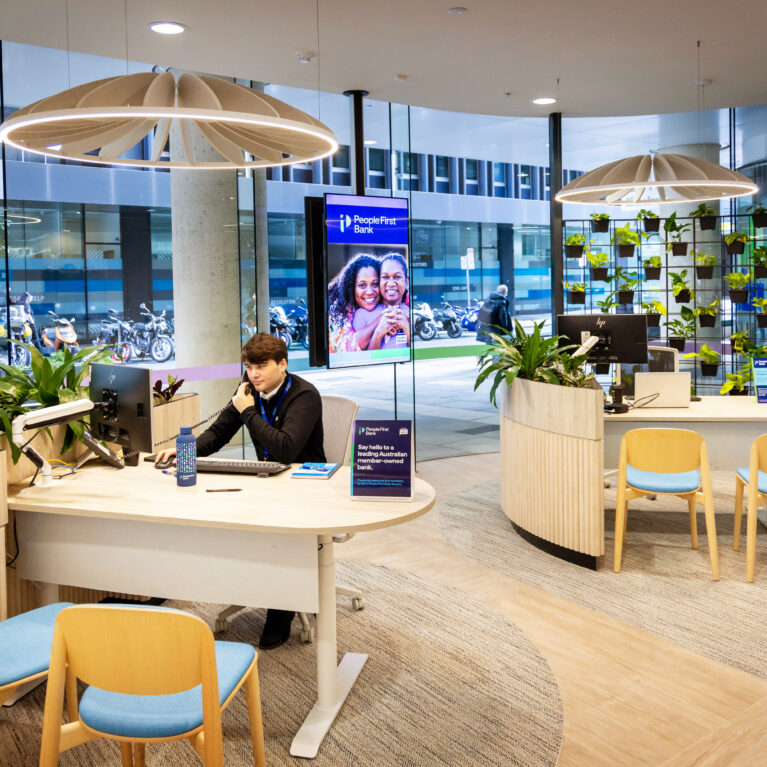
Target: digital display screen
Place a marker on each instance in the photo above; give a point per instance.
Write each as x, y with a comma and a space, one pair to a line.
368, 271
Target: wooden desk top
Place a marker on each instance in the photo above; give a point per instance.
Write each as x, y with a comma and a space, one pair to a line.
717, 408
279, 503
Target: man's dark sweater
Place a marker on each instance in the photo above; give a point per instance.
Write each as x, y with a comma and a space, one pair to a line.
296, 431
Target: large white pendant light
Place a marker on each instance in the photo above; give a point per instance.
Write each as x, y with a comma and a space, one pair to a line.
99, 121
656, 178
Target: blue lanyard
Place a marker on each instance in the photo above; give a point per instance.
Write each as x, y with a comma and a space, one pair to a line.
262, 410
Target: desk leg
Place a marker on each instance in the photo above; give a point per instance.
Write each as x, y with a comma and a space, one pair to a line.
334, 682
3, 579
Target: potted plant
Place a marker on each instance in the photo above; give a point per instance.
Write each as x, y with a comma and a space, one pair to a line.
651, 268
758, 215
741, 343
736, 243
627, 283
679, 330
760, 304
704, 266
675, 230
706, 216
576, 292
600, 222
736, 382
574, 245
607, 304
626, 240
707, 314
598, 268
680, 288
738, 282
760, 262
650, 220
653, 310
709, 360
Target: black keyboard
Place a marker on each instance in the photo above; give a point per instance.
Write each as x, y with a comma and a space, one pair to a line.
240, 466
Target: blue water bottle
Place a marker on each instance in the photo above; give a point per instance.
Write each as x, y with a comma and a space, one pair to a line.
186, 458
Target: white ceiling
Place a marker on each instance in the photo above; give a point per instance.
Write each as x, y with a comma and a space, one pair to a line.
614, 58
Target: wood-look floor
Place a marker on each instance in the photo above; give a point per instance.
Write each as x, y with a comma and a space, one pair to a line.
629, 698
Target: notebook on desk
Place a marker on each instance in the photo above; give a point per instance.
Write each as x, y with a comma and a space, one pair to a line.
662, 390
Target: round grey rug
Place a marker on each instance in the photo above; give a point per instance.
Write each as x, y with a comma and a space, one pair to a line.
448, 682
664, 587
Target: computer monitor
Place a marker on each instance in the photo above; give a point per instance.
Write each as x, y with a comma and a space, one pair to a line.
123, 412
622, 337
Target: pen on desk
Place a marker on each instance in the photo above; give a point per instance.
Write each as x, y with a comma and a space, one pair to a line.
223, 490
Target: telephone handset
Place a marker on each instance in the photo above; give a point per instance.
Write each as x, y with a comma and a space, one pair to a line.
249, 387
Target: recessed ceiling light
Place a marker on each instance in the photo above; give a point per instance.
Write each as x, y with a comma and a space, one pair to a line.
545, 100
457, 11
400, 78
370, 141
167, 27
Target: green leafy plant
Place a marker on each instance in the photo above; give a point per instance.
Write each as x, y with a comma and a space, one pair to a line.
653, 307
702, 211
162, 394
626, 280
576, 239
600, 216
624, 235
48, 385
679, 282
645, 214
756, 209
738, 380
760, 304
517, 354
709, 309
738, 280
703, 259
673, 228
653, 262
597, 260
706, 355
684, 326
575, 287
607, 304
735, 237
741, 343
760, 255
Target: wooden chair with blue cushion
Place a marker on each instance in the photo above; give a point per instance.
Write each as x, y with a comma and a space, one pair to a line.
665, 462
755, 479
25, 648
153, 675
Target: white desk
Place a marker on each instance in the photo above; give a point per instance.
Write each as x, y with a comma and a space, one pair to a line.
728, 424
270, 545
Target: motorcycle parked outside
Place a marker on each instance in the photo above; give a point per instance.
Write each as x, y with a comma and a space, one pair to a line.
151, 337
21, 326
298, 317
423, 321
469, 318
279, 325
61, 335
116, 332
446, 319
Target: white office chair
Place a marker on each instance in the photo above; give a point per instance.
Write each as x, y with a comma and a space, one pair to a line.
338, 414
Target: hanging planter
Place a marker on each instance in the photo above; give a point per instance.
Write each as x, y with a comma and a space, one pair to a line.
677, 343
707, 320
760, 272
574, 251
600, 224
679, 248
653, 320
761, 320
651, 224
704, 272
760, 220
625, 296
626, 251
736, 248
738, 392
652, 272
708, 370
707, 222
576, 296
599, 273
739, 296
683, 297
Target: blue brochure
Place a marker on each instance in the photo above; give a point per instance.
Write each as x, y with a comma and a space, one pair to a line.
382, 460
760, 378
315, 470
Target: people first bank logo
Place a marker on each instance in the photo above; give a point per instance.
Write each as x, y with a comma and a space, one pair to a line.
372, 221
346, 221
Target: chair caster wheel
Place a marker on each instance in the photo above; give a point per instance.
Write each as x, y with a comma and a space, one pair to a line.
222, 624
307, 636
358, 603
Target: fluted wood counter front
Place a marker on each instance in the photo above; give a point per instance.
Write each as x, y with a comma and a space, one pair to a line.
552, 464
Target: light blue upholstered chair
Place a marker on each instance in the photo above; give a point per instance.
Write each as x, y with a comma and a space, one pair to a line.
757, 493
153, 675
25, 647
665, 462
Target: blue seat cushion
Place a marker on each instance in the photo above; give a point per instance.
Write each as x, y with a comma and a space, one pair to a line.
661, 482
162, 716
25, 642
745, 473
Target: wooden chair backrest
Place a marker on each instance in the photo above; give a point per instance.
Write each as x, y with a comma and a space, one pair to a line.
669, 451
137, 650
759, 452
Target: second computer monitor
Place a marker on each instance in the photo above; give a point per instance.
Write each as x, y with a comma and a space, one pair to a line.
622, 337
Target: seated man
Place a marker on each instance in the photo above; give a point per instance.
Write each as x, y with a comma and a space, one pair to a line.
284, 422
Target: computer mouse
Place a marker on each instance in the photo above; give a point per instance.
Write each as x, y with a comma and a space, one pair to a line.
166, 464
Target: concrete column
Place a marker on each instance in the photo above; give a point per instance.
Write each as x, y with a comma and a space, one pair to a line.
205, 269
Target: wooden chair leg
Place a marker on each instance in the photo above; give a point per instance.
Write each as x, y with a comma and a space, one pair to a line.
254, 715
713, 549
621, 512
139, 755
753, 500
738, 512
692, 506
126, 752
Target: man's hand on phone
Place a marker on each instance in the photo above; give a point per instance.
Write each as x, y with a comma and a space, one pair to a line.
243, 398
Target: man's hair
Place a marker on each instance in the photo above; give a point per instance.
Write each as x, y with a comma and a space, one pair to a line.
502, 289
263, 347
